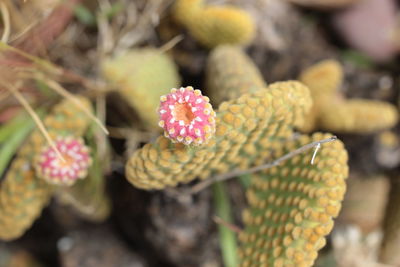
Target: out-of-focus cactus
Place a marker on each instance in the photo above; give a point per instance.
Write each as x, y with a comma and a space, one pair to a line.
291, 206
22, 194
358, 116
141, 76
185, 10
323, 78
332, 112
214, 25
231, 73
263, 119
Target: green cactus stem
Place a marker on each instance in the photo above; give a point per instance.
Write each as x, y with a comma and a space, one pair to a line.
292, 206
249, 128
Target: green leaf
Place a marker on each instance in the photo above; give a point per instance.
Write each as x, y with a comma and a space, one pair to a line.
11, 137
84, 15
245, 180
8, 129
358, 58
44, 89
114, 10
227, 238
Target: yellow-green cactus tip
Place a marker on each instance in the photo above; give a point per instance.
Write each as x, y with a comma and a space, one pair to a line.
324, 77
359, 116
141, 76
215, 25
230, 72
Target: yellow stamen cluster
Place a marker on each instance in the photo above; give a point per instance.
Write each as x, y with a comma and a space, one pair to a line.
141, 76
292, 206
249, 129
332, 112
214, 25
22, 194
231, 73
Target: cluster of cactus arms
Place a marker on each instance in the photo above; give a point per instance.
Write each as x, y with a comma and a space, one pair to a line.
141, 75
291, 206
25, 191
263, 119
214, 25
332, 112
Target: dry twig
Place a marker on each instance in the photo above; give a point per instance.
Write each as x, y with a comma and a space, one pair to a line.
230, 226
60, 90
235, 173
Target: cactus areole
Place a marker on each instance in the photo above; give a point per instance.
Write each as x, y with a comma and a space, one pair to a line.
187, 116
66, 171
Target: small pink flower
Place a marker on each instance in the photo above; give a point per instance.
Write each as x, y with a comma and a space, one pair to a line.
53, 169
187, 116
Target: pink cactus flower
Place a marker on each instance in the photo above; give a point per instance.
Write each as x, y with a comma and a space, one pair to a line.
50, 167
187, 116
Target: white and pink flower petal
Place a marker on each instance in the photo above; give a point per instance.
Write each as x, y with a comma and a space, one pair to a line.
67, 170
186, 116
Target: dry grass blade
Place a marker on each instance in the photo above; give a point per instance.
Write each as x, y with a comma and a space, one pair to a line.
34, 116
60, 90
171, 43
6, 21
230, 226
102, 148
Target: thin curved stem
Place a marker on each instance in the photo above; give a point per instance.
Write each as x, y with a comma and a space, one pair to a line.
222, 177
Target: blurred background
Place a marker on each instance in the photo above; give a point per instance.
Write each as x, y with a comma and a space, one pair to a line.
70, 42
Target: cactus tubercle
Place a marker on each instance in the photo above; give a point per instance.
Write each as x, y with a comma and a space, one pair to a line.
187, 116
66, 171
